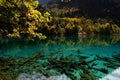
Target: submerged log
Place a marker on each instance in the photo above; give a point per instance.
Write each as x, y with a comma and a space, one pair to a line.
9, 63
24, 61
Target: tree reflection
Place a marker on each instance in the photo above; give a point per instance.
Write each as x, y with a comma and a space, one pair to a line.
75, 43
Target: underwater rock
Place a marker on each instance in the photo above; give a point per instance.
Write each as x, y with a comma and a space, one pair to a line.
38, 76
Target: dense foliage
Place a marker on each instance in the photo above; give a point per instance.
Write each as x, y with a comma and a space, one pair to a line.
23, 18
80, 26
71, 17
20, 18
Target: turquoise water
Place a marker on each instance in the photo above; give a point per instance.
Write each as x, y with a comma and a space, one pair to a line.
88, 46
92, 45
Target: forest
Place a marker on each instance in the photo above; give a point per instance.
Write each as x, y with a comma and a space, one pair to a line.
29, 19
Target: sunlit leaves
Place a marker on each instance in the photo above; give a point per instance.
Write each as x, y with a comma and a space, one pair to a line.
34, 20
47, 16
1, 2
115, 28
22, 16
86, 26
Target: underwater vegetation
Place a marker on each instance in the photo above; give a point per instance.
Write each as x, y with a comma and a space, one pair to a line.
111, 62
76, 67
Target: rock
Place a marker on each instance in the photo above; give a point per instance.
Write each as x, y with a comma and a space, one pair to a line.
115, 75
38, 76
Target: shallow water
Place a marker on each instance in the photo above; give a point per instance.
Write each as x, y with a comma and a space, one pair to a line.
88, 46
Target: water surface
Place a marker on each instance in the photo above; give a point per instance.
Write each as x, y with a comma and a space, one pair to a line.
92, 47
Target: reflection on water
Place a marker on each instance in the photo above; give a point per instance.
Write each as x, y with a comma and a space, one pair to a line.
83, 57
81, 44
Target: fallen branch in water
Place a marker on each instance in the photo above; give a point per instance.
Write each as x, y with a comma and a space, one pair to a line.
9, 63
35, 56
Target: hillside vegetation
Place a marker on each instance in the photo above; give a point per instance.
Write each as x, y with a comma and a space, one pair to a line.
60, 17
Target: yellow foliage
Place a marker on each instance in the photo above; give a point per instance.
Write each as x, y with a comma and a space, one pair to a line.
107, 24
115, 28
77, 20
82, 24
53, 26
70, 26
15, 33
91, 28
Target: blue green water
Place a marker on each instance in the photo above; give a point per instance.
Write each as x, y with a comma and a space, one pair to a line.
90, 46
87, 45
